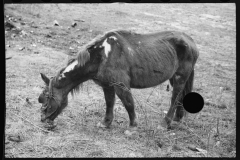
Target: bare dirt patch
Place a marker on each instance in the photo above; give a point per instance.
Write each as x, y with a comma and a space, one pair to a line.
35, 45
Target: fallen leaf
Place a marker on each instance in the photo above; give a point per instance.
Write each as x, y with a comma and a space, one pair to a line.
13, 35
74, 24
79, 20
23, 33
159, 144
14, 138
100, 125
129, 133
172, 134
55, 22
132, 155
8, 58
202, 151
21, 48
176, 147
192, 147
217, 144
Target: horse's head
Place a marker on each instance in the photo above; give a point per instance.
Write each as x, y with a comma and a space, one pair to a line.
83, 67
53, 100
54, 97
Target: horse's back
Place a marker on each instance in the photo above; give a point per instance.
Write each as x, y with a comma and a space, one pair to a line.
150, 59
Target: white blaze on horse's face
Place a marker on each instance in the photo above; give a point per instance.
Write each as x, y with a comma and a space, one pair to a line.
70, 67
107, 46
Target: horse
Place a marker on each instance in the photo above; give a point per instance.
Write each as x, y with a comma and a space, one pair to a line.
119, 60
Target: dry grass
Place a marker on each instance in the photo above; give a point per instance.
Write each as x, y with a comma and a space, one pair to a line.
209, 133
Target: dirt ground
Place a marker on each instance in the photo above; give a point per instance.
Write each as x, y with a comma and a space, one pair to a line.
36, 45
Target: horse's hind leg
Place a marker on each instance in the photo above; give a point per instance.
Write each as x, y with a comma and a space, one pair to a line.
179, 110
179, 80
127, 100
175, 96
109, 95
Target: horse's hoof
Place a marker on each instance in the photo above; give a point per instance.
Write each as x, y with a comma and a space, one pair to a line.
176, 119
100, 125
164, 125
50, 125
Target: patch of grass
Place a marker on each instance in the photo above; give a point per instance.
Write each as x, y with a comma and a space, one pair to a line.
76, 135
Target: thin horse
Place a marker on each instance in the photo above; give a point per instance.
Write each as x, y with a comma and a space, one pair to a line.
120, 60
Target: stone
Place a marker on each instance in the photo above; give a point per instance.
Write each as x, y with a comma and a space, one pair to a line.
55, 23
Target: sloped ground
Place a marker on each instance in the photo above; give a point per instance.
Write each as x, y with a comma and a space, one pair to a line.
36, 45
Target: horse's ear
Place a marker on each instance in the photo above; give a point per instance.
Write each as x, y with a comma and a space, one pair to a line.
45, 78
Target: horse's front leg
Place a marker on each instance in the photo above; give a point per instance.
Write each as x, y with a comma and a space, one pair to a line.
109, 95
126, 97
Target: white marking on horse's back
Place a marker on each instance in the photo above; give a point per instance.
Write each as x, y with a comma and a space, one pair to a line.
71, 66
107, 47
113, 37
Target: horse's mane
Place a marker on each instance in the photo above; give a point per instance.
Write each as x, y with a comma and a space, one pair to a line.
83, 56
